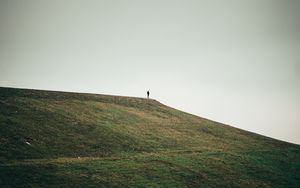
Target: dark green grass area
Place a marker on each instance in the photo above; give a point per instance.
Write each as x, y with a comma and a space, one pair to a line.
59, 139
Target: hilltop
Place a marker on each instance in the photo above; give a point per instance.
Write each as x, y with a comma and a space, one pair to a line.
63, 139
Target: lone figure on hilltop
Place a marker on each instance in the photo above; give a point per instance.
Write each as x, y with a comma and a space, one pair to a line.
148, 93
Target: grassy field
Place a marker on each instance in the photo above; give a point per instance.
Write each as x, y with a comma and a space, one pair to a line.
59, 139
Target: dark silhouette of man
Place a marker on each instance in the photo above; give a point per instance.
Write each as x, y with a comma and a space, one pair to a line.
148, 93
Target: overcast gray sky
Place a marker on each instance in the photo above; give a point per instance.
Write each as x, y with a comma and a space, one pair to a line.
232, 61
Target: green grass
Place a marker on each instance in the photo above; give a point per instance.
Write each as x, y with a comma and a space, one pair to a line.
88, 140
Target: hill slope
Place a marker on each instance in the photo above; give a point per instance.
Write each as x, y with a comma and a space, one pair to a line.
64, 139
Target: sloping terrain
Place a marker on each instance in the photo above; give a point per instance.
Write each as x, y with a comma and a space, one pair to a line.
60, 139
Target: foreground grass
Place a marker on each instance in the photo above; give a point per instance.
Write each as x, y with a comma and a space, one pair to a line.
161, 169
56, 139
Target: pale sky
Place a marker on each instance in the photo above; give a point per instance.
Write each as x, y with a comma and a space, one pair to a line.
232, 61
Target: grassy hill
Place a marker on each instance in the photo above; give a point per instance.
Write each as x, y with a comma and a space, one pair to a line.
59, 139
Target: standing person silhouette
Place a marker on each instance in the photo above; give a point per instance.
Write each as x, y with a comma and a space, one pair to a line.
148, 93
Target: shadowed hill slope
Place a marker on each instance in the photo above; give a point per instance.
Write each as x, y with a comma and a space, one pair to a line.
50, 138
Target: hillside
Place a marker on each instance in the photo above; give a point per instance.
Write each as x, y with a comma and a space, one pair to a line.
60, 139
